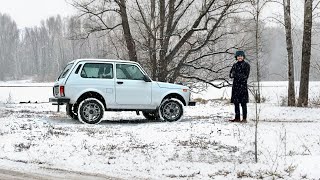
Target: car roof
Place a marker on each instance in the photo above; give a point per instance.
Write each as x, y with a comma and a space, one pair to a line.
101, 60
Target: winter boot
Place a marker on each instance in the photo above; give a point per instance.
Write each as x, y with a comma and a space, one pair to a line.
244, 121
235, 120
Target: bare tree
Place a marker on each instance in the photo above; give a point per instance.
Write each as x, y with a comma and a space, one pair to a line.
258, 6
306, 54
288, 29
9, 40
32, 41
177, 44
256, 12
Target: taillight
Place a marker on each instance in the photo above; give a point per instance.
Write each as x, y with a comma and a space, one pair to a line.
61, 91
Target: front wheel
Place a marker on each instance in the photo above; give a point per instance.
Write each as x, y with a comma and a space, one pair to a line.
90, 111
171, 110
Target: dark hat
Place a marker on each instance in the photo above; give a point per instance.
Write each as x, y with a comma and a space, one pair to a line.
240, 53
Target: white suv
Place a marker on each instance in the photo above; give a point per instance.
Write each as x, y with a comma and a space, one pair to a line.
89, 87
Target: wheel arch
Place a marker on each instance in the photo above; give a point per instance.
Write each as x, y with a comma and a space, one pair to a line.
92, 94
176, 96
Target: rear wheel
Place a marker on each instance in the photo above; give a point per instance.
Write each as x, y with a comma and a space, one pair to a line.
90, 111
150, 115
171, 110
71, 109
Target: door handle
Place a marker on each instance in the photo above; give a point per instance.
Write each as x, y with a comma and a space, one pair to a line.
119, 82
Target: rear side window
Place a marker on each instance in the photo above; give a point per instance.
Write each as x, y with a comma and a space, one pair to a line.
65, 71
97, 70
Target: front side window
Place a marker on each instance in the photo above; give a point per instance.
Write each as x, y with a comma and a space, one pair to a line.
65, 71
129, 71
97, 70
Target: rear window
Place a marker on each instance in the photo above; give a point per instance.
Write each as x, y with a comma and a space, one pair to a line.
65, 71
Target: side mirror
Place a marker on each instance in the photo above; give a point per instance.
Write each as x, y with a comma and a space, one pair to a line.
146, 78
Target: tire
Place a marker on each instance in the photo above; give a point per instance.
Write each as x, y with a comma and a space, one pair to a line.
171, 110
150, 115
71, 111
90, 111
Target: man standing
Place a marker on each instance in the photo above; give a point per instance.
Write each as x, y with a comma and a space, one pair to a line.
240, 72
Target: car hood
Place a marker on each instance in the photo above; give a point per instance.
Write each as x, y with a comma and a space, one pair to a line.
171, 86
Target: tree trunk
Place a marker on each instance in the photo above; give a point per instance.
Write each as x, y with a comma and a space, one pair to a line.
162, 54
287, 22
306, 55
256, 129
126, 31
153, 41
258, 95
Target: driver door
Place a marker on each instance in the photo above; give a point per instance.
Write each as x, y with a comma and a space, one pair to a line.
131, 89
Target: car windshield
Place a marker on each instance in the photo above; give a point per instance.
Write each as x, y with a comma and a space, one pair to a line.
65, 71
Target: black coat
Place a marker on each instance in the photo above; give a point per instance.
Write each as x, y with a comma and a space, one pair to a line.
240, 72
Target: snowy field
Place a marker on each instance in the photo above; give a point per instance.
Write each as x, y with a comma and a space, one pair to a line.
203, 145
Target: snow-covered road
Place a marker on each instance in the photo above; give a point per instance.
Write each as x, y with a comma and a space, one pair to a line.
50, 174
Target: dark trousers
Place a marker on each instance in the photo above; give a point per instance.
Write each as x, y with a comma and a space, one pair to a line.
237, 110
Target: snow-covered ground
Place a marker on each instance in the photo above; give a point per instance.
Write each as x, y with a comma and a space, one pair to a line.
203, 145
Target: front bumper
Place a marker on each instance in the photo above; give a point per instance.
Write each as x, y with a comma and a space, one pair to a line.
191, 103
59, 101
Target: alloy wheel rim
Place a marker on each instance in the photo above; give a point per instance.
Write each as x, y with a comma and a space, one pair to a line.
91, 112
171, 110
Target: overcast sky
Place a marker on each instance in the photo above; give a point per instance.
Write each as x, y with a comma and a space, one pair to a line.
27, 13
